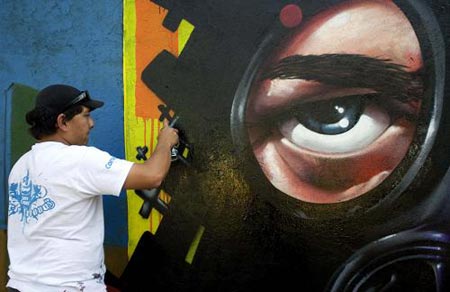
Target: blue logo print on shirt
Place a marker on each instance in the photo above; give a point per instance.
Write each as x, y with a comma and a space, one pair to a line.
110, 163
28, 199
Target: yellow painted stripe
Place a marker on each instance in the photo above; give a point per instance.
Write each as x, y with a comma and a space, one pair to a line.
185, 152
133, 126
184, 32
194, 245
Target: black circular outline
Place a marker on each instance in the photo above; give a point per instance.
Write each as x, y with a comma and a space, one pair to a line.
432, 45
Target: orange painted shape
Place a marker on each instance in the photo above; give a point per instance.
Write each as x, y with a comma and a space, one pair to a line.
151, 39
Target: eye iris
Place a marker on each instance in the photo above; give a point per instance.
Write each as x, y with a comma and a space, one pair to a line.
331, 117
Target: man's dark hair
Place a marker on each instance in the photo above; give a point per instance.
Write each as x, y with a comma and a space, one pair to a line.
43, 120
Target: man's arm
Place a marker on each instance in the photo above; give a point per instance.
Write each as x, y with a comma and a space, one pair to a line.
151, 173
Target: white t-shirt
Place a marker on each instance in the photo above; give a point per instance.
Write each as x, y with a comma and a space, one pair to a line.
55, 217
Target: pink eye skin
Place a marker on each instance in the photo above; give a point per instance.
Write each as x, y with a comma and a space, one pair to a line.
305, 164
375, 28
321, 178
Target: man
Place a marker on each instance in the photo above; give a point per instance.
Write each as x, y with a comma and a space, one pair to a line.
55, 216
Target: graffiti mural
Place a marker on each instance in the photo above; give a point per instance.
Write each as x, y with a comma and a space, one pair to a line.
318, 133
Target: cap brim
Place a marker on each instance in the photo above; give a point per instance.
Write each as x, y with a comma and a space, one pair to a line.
93, 104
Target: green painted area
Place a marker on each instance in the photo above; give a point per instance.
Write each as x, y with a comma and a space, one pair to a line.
22, 101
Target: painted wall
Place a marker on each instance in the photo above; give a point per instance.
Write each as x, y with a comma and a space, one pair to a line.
348, 215
318, 133
74, 43
77, 43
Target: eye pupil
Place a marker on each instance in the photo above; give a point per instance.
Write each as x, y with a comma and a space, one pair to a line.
331, 117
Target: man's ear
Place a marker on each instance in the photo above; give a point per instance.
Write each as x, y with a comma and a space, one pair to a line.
61, 122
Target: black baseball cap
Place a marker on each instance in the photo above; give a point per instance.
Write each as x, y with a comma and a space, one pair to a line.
61, 97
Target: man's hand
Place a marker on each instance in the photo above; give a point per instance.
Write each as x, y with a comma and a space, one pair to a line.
168, 135
151, 173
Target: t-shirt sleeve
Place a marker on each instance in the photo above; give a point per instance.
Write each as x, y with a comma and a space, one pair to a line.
99, 173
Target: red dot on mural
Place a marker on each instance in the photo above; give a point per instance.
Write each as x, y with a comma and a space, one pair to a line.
291, 15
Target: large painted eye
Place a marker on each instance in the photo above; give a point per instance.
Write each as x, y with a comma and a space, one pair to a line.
332, 111
342, 125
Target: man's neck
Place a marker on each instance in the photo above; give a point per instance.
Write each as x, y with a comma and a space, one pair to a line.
54, 138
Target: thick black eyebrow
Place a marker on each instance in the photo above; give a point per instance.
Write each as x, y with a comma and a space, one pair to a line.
352, 71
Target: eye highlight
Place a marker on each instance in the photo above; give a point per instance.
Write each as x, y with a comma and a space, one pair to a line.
339, 126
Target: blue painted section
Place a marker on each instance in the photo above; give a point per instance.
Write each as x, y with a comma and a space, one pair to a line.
78, 43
